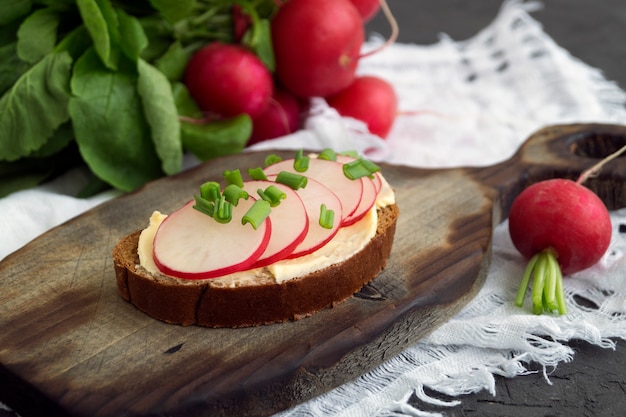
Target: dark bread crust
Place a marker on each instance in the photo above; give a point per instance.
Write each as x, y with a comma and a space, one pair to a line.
189, 302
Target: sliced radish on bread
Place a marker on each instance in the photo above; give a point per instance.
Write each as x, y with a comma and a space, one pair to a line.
193, 245
190, 244
289, 218
313, 196
378, 181
330, 174
368, 198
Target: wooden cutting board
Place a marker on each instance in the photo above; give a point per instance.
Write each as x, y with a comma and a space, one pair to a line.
70, 346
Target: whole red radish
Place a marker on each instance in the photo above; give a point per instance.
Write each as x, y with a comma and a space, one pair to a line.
241, 22
367, 8
280, 117
562, 227
369, 99
317, 45
228, 80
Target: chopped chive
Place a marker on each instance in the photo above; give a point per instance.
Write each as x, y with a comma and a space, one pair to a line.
328, 155
272, 195
233, 193
359, 168
233, 177
257, 173
301, 162
204, 206
371, 167
257, 213
210, 191
355, 170
223, 211
272, 159
327, 217
292, 180
353, 154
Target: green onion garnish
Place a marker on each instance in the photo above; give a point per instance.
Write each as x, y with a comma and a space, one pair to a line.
328, 155
210, 191
371, 167
359, 168
233, 177
327, 217
257, 213
257, 174
204, 206
353, 154
292, 180
233, 193
300, 162
272, 159
272, 195
223, 211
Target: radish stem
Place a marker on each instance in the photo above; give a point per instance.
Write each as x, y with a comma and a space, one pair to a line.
538, 285
596, 168
547, 289
560, 294
394, 30
550, 288
521, 292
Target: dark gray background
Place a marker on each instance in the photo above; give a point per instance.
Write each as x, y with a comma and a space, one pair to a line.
594, 31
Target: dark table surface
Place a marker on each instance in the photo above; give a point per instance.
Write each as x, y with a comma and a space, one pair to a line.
594, 383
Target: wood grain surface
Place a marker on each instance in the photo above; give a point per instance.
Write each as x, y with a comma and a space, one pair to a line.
70, 346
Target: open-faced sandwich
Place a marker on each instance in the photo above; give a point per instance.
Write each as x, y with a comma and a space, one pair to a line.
298, 236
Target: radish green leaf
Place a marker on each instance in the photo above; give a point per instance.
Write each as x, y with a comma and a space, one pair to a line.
37, 35
11, 10
98, 28
11, 67
109, 125
34, 107
174, 10
134, 39
162, 116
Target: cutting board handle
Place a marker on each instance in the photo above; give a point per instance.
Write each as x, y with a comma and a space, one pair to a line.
562, 151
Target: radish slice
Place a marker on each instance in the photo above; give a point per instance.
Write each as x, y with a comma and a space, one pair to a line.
313, 196
290, 220
378, 181
330, 174
192, 245
368, 198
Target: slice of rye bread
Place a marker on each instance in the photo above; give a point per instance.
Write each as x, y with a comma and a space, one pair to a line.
259, 301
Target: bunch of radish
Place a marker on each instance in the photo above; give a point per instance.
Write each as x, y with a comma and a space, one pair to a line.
315, 50
286, 210
562, 227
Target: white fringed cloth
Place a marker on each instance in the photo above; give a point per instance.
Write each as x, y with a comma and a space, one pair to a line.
464, 103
